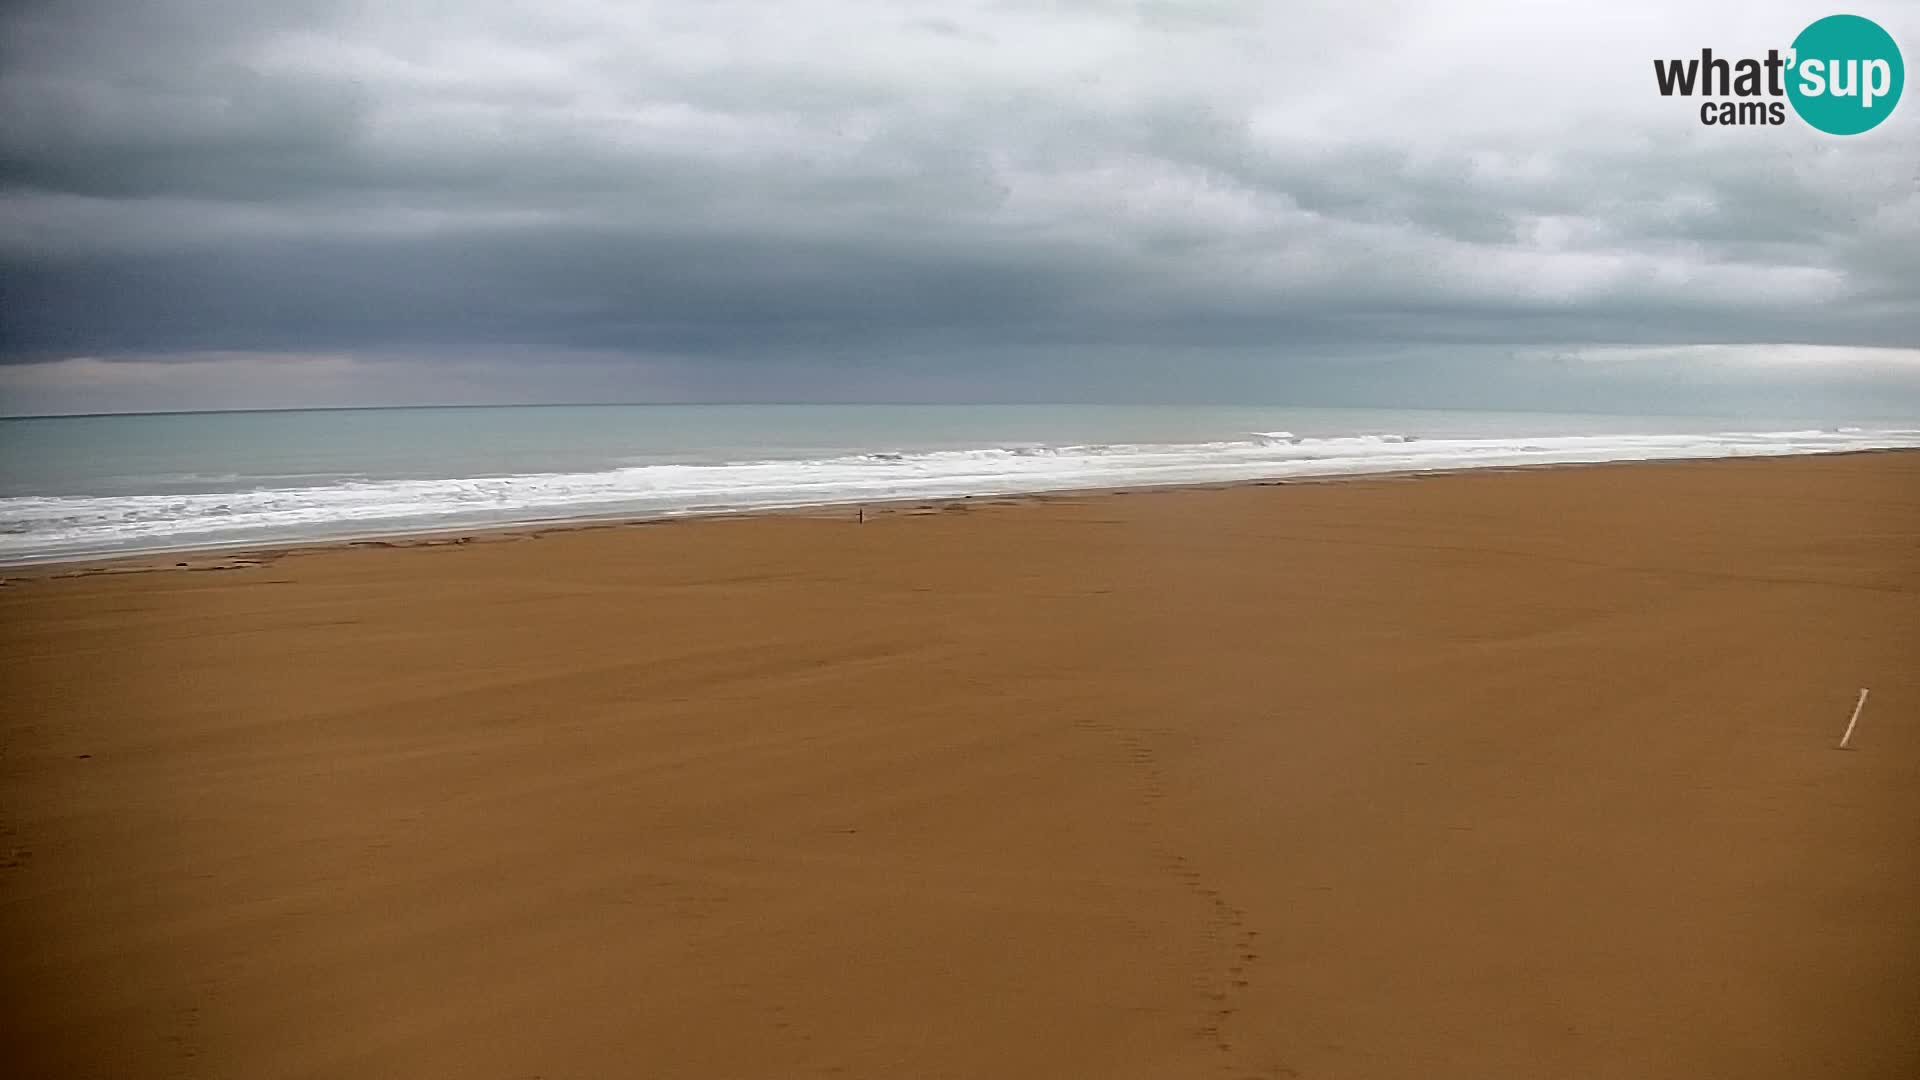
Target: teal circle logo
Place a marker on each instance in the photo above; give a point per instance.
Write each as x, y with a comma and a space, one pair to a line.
1846, 75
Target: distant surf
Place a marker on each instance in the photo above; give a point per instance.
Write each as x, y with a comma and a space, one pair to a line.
40, 527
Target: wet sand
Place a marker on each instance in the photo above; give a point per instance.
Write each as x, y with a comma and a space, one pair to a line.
1523, 774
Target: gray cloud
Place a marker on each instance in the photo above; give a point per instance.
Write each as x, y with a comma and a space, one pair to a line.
1069, 199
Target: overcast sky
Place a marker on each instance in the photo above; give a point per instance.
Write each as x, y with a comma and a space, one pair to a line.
245, 203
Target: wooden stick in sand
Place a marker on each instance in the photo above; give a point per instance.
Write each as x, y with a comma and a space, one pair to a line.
1857, 706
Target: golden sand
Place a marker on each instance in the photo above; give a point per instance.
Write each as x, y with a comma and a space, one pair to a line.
1525, 774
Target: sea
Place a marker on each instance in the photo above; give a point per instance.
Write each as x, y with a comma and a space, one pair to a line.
88, 486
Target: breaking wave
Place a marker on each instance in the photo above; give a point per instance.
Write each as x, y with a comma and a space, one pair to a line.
36, 528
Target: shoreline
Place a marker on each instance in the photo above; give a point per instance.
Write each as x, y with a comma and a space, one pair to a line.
247, 552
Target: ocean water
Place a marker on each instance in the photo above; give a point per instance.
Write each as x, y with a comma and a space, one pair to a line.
94, 485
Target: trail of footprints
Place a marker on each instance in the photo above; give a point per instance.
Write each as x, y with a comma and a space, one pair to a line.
1224, 962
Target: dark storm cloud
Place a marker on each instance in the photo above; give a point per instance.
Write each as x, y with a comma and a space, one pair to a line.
953, 190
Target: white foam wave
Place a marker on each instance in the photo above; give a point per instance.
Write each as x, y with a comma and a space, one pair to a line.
39, 528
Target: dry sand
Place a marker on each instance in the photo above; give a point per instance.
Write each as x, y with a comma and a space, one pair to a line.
1523, 774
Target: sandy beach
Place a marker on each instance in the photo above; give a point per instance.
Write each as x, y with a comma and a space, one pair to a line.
1505, 774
